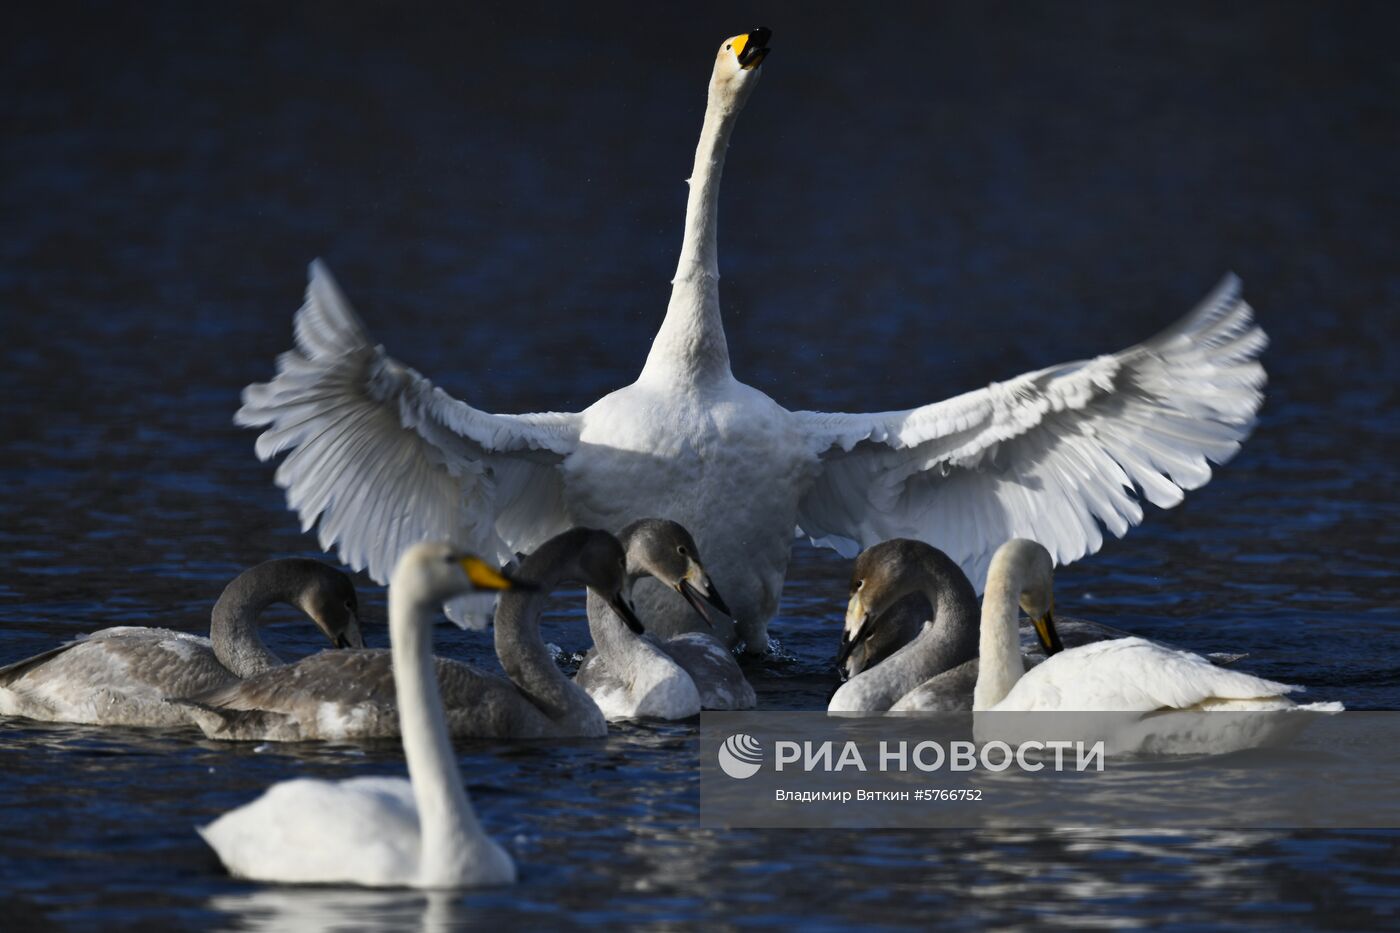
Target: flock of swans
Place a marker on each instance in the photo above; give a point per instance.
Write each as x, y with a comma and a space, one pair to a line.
985, 492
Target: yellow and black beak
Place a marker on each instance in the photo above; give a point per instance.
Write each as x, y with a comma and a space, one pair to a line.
853, 635
752, 47
486, 577
351, 637
700, 596
1045, 631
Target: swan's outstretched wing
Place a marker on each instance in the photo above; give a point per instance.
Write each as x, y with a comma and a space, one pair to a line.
1133, 675
384, 459
1048, 455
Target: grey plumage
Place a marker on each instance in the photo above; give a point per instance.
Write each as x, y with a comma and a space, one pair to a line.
120, 676
634, 675
350, 694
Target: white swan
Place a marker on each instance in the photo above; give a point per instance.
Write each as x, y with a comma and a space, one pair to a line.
632, 676
383, 458
380, 832
931, 665
120, 676
339, 695
1121, 675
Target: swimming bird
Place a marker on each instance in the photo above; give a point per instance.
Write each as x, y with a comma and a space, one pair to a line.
1126, 674
933, 665
120, 676
1130, 675
633, 676
381, 457
377, 831
351, 694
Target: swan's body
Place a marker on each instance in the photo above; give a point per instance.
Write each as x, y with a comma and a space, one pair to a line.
352, 694
382, 458
380, 832
121, 676
633, 676
1124, 675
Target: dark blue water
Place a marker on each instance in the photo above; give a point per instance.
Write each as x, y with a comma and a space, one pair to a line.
912, 208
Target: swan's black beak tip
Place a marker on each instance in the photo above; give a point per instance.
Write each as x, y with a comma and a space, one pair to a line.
755, 47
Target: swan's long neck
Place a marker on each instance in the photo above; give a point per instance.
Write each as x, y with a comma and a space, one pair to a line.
522, 651
1000, 642
450, 833
624, 648
233, 626
690, 346
950, 640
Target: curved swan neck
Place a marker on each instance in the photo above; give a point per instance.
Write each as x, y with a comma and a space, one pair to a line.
1000, 644
520, 648
448, 827
947, 640
613, 639
233, 625
690, 346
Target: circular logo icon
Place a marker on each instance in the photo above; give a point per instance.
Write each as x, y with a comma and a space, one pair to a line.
741, 756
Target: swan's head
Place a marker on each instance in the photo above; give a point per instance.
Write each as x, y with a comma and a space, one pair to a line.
663, 549
600, 563
1027, 568
328, 597
434, 572
737, 65
883, 575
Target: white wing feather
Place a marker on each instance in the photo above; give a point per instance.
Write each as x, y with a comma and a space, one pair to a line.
1132, 675
1048, 455
385, 459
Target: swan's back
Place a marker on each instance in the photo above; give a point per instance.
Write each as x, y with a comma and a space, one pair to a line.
360, 831
646, 684
716, 674
1133, 675
117, 676
337, 695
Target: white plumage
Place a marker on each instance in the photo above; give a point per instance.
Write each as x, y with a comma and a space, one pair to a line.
1149, 698
383, 458
380, 832
1136, 675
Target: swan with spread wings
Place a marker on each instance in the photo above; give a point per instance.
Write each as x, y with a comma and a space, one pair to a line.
382, 458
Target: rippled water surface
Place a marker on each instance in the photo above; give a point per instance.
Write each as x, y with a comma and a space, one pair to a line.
911, 209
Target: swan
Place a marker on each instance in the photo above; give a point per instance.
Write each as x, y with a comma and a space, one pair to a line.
933, 664
120, 676
339, 695
631, 676
1121, 675
379, 831
380, 457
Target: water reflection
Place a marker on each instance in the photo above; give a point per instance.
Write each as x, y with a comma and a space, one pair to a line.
353, 910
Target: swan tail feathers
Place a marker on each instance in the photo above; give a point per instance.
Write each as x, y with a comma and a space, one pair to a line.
13, 672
